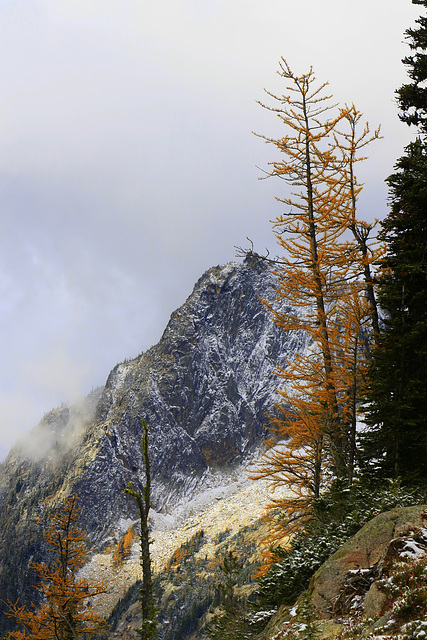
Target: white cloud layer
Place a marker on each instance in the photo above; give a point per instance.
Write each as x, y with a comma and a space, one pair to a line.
128, 167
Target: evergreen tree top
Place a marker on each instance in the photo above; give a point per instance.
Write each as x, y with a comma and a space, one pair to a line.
412, 97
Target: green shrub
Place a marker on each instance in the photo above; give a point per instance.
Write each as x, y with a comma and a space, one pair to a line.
221, 536
339, 514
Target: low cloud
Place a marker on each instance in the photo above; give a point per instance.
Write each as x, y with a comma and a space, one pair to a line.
59, 431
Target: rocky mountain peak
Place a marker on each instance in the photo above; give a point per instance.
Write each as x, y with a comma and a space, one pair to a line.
204, 390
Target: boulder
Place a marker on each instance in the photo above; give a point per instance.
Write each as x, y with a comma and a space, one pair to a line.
364, 550
374, 601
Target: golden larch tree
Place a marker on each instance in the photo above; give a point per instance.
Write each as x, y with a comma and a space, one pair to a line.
349, 142
325, 274
66, 611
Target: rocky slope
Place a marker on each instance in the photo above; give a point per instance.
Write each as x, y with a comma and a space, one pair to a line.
204, 390
220, 518
373, 586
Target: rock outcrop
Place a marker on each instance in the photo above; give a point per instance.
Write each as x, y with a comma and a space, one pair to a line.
358, 563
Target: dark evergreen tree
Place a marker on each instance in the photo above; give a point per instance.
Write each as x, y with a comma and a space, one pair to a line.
397, 391
412, 97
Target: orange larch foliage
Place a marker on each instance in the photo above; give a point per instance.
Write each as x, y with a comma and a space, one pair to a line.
368, 251
124, 547
325, 274
66, 611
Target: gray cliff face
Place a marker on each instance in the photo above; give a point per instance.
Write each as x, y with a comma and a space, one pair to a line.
204, 390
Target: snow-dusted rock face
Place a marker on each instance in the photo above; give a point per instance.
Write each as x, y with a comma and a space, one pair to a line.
204, 388
204, 391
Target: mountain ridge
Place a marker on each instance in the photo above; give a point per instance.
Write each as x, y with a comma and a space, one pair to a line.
204, 390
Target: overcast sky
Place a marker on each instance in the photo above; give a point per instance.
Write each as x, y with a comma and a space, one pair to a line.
128, 166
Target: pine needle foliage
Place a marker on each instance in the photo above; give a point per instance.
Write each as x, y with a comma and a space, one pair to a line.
396, 444
338, 516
